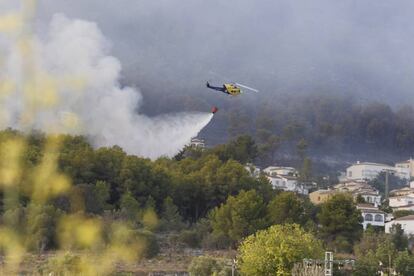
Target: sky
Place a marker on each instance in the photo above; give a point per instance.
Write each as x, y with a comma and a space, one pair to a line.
351, 47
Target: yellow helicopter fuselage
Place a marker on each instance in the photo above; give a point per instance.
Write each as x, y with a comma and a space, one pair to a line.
232, 89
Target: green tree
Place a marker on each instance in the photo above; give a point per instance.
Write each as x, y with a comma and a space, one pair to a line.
398, 238
374, 248
203, 184
150, 203
77, 159
360, 199
102, 194
95, 196
170, 218
239, 217
143, 179
369, 242
340, 222
286, 207
107, 164
15, 218
264, 188
37, 223
404, 264
243, 149
274, 251
33, 154
386, 252
366, 265
130, 206
208, 266
41, 227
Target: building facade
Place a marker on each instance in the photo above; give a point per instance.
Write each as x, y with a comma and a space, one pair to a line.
321, 196
372, 197
403, 191
371, 215
407, 224
400, 201
366, 170
286, 179
274, 171
407, 167
288, 184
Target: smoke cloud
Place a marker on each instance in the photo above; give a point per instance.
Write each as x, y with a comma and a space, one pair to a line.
74, 87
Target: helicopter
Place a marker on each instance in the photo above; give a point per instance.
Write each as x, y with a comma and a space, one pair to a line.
232, 89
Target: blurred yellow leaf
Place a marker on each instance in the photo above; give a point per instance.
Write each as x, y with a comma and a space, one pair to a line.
11, 22
10, 162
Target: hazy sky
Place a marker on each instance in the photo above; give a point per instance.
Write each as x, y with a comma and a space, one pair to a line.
351, 46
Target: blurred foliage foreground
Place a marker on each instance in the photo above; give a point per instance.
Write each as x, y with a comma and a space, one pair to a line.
97, 245
85, 245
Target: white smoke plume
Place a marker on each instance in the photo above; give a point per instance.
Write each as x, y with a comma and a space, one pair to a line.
74, 58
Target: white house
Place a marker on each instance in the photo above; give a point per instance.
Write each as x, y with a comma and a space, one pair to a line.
360, 188
371, 215
366, 170
198, 143
352, 185
372, 197
403, 173
286, 179
273, 171
252, 169
405, 168
287, 183
407, 224
399, 201
402, 192
409, 207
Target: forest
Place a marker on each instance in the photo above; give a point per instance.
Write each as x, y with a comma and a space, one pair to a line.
203, 199
337, 129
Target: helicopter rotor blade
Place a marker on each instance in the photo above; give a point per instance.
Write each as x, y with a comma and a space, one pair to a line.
247, 87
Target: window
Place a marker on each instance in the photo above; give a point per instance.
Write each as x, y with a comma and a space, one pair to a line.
378, 217
368, 217
350, 174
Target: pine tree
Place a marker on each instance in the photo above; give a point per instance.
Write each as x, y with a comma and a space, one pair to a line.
171, 219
